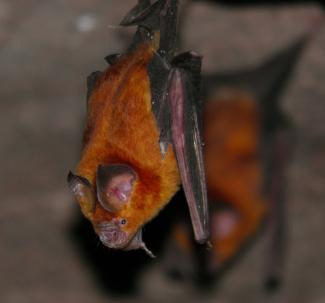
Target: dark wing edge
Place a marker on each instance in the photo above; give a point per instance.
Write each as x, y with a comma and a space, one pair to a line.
186, 138
266, 81
279, 151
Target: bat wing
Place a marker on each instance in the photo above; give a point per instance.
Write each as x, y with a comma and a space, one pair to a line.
175, 84
266, 81
186, 137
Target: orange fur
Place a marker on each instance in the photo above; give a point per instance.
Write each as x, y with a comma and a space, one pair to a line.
121, 128
233, 170
233, 166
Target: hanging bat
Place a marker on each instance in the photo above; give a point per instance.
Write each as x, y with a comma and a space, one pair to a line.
248, 143
142, 137
273, 136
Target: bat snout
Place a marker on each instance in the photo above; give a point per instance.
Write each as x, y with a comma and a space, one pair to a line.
111, 235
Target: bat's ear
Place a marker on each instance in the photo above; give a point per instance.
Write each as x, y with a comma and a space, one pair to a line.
83, 192
114, 185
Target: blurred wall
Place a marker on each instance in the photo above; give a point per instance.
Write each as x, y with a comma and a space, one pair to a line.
47, 48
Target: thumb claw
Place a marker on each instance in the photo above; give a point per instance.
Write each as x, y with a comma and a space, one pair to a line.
148, 252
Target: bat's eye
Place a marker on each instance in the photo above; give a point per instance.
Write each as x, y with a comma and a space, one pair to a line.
123, 221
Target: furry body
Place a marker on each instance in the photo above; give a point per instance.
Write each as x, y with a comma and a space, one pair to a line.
234, 171
121, 128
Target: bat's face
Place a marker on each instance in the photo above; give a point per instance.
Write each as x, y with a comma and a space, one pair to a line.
102, 204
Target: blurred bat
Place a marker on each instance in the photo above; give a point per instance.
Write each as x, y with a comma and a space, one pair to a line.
248, 142
142, 138
265, 84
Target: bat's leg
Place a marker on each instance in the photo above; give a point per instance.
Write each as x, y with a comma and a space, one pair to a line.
276, 228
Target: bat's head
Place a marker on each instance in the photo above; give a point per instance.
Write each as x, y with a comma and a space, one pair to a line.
103, 201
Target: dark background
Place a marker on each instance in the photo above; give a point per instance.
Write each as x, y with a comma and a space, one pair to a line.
47, 48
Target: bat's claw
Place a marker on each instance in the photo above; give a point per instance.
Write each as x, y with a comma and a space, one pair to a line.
148, 252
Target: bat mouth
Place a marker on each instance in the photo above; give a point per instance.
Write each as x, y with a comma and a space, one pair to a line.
112, 236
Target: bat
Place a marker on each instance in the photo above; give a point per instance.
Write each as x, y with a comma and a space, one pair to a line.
248, 143
232, 133
266, 84
142, 138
